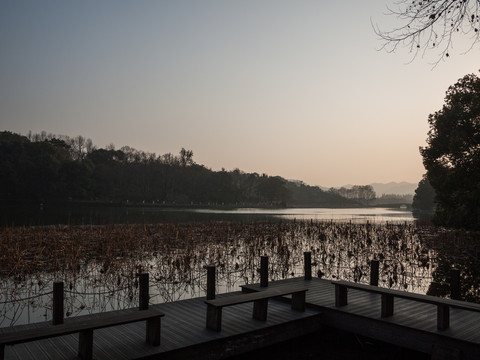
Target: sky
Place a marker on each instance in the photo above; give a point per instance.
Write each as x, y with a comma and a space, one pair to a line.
297, 89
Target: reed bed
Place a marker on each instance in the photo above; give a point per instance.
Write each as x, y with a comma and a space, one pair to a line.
100, 264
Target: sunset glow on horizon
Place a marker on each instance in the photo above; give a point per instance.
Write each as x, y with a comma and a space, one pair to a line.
297, 89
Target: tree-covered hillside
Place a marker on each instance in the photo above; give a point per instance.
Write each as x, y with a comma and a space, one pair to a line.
45, 167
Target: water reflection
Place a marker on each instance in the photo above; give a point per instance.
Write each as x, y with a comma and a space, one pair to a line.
336, 214
87, 214
455, 250
100, 264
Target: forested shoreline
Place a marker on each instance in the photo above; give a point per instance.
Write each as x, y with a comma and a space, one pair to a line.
50, 168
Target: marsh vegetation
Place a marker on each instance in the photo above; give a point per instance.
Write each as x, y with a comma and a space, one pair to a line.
100, 264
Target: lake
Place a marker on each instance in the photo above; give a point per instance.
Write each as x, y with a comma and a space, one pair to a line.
335, 214
78, 214
100, 264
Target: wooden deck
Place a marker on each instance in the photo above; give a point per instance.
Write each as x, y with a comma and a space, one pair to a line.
413, 325
184, 333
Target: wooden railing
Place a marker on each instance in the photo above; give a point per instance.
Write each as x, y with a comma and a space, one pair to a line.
388, 296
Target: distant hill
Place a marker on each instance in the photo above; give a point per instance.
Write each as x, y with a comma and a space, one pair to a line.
398, 188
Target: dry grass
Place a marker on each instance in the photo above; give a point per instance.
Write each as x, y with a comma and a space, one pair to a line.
100, 264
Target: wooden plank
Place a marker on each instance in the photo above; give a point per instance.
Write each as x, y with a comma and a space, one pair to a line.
260, 303
413, 324
226, 347
412, 296
76, 325
196, 320
243, 298
116, 342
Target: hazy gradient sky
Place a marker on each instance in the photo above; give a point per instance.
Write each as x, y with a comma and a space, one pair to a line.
290, 88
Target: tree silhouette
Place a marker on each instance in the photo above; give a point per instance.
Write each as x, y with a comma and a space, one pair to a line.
44, 167
452, 155
424, 198
432, 24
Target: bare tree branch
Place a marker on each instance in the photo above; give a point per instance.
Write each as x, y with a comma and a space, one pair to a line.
431, 24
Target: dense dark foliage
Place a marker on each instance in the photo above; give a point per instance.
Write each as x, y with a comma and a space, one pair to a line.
43, 167
424, 198
452, 155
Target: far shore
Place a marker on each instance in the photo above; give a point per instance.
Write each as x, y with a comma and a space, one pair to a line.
192, 205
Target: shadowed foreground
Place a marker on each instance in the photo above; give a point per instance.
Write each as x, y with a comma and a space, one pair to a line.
294, 334
332, 344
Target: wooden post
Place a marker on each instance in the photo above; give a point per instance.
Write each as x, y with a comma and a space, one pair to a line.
85, 344
214, 318
455, 284
340, 295
260, 308
57, 303
307, 255
374, 266
298, 301
143, 291
210, 281
263, 271
443, 317
153, 331
387, 305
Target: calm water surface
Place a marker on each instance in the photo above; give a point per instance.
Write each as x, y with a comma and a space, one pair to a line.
354, 214
48, 214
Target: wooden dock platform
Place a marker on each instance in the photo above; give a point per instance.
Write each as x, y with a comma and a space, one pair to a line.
184, 334
413, 325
